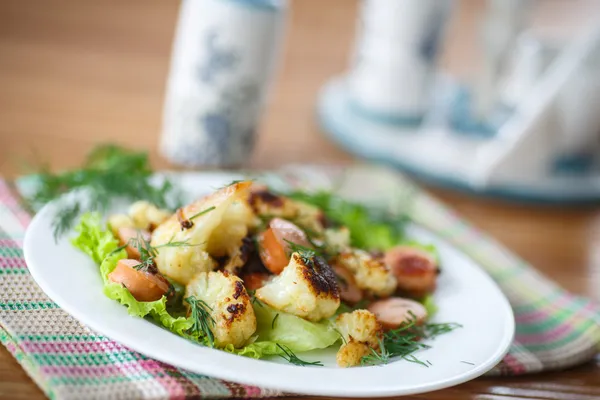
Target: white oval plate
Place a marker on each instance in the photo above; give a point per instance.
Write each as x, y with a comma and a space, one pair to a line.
465, 295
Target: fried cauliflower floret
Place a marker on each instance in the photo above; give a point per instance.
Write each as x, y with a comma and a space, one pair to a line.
118, 221
142, 215
268, 205
230, 305
370, 272
351, 354
336, 240
213, 227
306, 288
309, 217
229, 239
361, 332
146, 215
239, 256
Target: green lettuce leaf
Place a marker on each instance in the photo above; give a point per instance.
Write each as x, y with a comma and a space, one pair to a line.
97, 241
370, 228
255, 350
93, 239
429, 304
294, 332
157, 310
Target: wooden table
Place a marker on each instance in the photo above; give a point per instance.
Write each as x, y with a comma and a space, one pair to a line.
75, 73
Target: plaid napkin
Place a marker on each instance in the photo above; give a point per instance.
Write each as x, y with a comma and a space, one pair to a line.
555, 330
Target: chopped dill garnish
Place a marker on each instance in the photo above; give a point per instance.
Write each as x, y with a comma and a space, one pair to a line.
332, 324
253, 298
274, 319
307, 255
403, 342
234, 182
175, 243
431, 331
466, 362
292, 358
148, 252
319, 245
201, 213
118, 249
298, 248
203, 322
411, 358
377, 357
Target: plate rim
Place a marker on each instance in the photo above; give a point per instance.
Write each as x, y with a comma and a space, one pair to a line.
222, 371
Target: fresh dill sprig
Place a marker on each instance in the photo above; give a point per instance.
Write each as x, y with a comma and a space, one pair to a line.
403, 342
177, 243
118, 249
109, 172
234, 182
203, 322
376, 357
411, 358
307, 254
148, 252
298, 248
274, 319
253, 298
292, 358
201, 213
64, 219
431, 331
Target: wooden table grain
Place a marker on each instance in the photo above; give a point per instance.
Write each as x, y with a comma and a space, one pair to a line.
76, 73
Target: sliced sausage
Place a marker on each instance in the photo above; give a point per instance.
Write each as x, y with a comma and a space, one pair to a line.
395, 311
349, 291
274, 246
255, 280
125, 234
415, 270
143, 285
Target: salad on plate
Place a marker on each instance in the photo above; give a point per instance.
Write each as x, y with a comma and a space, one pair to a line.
258, 273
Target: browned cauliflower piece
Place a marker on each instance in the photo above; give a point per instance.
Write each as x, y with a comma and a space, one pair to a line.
306, 288
230, 306
214, 227
336, 240
268, 205
141, 215
146, 215
370, 272
361, 332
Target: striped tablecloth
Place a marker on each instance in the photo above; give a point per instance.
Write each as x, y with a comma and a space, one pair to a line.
555, 329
